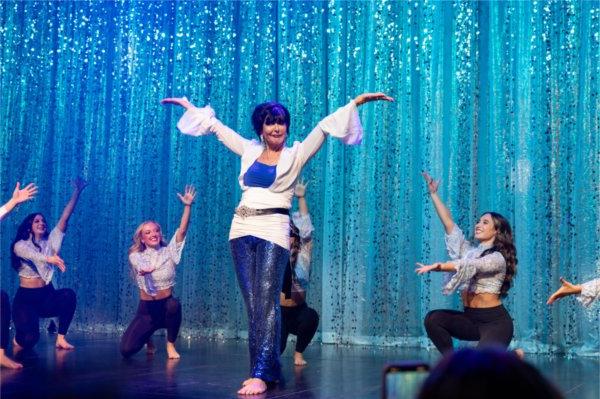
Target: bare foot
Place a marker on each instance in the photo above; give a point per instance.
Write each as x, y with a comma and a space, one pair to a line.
253, 386
61, 343
171, 352
247, 381
7, 362
150, 348
299, 359
520, 353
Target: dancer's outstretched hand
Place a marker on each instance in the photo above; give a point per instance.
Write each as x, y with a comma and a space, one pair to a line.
368, 97
57, 261
565, 290
422, 269
189, 196
181, 101
79, 183
24, 194
432, 185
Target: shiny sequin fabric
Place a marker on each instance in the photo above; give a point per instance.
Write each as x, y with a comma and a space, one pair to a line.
259, 265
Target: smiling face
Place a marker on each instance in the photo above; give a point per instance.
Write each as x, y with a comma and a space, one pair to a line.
150, 235
485, 230
271, 122
274, 134
38, 227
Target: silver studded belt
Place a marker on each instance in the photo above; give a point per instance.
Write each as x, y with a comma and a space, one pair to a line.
244, 212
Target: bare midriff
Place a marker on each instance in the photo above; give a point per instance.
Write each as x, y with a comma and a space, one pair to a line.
160, 294
483, 300
35, 282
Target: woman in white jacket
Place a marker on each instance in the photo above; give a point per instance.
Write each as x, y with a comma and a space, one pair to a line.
259, 235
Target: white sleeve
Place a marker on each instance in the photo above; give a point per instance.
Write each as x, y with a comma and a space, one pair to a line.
202, 121
24, 251
175, 248
55, 240
343, 124
590, 292
456, 243
304, 224
466, 269
139, 264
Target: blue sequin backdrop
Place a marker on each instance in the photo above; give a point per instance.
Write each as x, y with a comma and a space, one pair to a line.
498, 99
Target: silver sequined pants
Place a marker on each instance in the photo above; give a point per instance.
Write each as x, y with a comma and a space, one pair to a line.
260, 265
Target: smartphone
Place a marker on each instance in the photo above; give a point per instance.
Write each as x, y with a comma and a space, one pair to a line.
402, 380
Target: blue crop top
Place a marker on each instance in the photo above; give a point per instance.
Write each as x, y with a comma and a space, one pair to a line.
260, 175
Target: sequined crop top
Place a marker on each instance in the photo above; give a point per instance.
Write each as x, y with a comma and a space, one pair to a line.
474, 273
33, 259
159, 264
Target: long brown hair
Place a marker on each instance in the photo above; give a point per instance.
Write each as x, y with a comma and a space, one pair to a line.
23, 233
138, 245
504, 243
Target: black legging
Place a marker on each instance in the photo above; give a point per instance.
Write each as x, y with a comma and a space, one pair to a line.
5, 313
489, 326
151, 316
32, 303
300, 321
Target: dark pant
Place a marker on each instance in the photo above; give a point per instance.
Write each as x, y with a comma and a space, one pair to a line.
259, 265
151, 316
489, 326
300, 321
5, 321
32, 303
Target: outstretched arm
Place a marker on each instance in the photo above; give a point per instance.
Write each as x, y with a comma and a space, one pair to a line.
181, 101
440, 207
78, 185
201, 121
187, 199
343, 124
565, 289
368, 97
435, 267
19, 195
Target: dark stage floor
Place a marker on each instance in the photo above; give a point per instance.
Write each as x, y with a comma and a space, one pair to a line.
214, 369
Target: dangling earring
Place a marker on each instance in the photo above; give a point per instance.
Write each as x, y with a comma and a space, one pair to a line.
262, 140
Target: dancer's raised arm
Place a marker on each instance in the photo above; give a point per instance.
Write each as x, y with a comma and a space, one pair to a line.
343, 124
187, 199
78, 185
441, 209
202, 121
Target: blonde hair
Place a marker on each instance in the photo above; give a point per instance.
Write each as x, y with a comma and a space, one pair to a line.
138, 245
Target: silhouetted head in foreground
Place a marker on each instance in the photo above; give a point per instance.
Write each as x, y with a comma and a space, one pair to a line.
487, 373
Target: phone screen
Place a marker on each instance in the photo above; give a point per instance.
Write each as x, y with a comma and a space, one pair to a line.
401, 382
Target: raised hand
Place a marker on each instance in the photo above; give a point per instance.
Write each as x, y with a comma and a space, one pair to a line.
368, 97
422, 269
79, 183
181, 101
565, 290
56, 261
432, 185
24, 194
300, 189
188, 197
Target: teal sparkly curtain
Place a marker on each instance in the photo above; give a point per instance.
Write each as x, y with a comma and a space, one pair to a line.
498, 99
